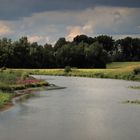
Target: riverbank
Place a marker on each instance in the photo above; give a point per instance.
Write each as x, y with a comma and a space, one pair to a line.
20, 95
116, 70
13, 82
18, 79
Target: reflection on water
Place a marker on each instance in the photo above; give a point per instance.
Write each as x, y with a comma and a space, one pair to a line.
88, 109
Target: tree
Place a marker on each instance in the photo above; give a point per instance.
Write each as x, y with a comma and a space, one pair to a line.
107, 42
6, 52
83, 38
96, 57
21, 57
48, 56
59, 43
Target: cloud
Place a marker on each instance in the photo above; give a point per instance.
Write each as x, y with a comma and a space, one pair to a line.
29, 7
37, 38
4, 29
73, 31
126, 35
106, 20
92, 22
77, 30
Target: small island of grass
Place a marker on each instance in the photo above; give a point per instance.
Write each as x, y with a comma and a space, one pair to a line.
134, 87
132, 102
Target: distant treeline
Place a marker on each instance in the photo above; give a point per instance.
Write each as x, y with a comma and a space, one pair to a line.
82, 52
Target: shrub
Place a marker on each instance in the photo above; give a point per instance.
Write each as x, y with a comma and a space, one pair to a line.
3, 68
24, 75
136, 70
99, 75
4, 98
67, 69
6, 88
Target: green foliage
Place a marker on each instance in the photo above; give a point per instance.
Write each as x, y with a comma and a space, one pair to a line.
82, 52
61, 42
106, 41
99, 75
9, 79
134, 87
4, 98
114, 71
136, 70
132, 101
118, 65
3, 68
67, 69
24, 75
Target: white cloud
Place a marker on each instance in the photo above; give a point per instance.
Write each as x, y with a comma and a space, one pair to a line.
126, 35
4, 29
106, 20
37, 38
73, 31
92, 22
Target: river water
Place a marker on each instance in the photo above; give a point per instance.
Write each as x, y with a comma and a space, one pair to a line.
87, 109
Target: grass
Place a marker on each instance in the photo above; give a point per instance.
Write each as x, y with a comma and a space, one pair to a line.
12, 80
134, 87
132, 101
116, 65
4, 98
116, 70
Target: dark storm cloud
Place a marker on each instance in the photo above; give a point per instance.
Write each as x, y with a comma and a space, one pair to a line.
14, 9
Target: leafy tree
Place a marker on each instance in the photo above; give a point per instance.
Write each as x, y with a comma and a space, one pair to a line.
96, 57
59, 43
82, 52
106, 41
83, 38
21, 57
6, 52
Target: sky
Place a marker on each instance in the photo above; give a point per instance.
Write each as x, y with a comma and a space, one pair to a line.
45, 21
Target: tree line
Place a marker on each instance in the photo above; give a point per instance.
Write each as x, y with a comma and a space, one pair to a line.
82, 52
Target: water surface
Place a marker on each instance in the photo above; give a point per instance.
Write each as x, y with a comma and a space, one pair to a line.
88, 109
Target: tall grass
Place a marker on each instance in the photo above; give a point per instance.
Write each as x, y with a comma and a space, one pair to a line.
4, 98
9, 77
116, 65
116, 70
11, 80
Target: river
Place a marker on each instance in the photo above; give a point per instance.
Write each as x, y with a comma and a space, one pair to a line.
87, 109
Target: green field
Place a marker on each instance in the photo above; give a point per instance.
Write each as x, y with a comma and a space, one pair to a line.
116, 65
116, 70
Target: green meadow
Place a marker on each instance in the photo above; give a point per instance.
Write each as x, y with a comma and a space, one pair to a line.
116, 70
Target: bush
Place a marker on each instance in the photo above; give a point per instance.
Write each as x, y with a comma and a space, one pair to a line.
3, 68
136, 70
67, 69
24, 75
99, 75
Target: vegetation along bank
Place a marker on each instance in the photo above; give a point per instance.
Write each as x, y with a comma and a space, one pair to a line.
11, 81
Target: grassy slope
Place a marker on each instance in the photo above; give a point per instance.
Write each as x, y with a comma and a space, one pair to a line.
116, 65
116, 70
11, 80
